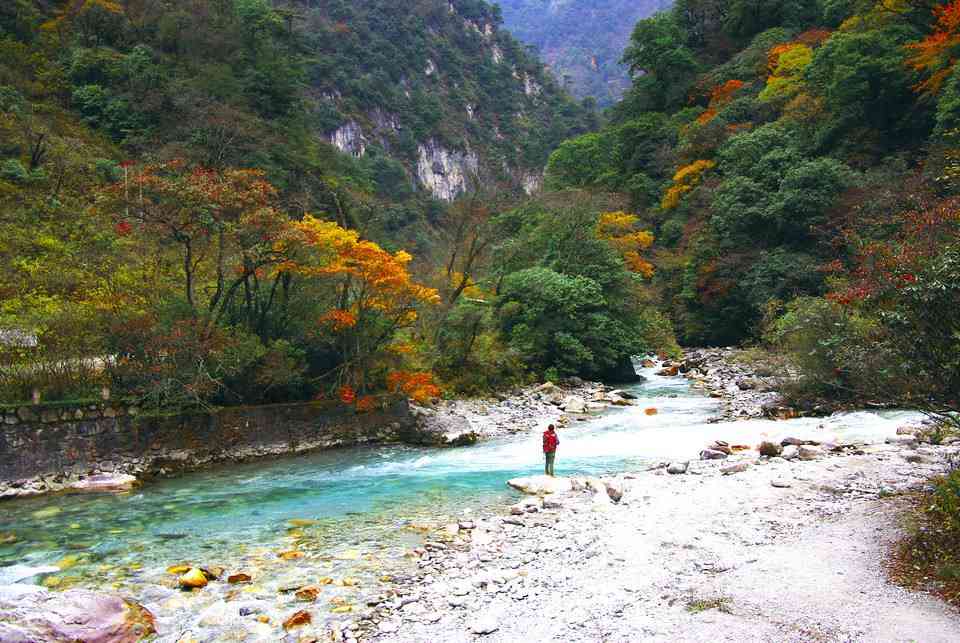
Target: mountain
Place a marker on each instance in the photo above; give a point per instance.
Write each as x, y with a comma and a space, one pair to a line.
581, 40
437, 85
433, 95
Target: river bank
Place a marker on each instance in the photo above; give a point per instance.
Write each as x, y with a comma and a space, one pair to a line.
777, 551
410, 544
466, 421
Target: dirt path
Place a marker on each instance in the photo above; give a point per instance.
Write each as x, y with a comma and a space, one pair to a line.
694, 557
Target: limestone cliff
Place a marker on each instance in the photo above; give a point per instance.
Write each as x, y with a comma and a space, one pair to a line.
440, 87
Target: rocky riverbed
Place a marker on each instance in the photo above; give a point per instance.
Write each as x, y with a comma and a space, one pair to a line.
766, 550
775, 537
746, 388
465, 421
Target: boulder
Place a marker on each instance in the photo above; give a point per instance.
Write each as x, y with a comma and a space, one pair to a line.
551, 502
798, 442
790, 452
548, 388
712, 454
297, 619
669, 371
614, 488
106, 483
623, 372
677, 468
484, 625
776, 411
541, 485
738, 467
903, 440
574, 404
722, 447
770, 449
30, 613
807, 452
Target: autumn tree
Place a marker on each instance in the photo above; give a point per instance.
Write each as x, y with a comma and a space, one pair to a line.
910, 284
621, 230
375, 295
936, 55
223, 227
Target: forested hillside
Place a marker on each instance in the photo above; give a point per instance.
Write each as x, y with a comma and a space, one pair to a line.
438, 86
175, 226
797, 161
582, 40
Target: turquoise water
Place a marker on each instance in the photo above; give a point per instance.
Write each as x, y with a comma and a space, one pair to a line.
363, 498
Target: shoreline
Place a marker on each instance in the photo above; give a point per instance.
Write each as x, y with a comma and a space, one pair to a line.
667, 553
776, 551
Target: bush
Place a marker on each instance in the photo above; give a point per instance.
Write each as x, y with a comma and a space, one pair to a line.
826, 341
15, 171
929, 557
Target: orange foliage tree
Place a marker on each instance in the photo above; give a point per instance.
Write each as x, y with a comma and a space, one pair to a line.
375, 295
935, 55
620, 230
720, 96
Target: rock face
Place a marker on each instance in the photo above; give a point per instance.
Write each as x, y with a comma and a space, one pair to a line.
445, 173
349, 138
29, 613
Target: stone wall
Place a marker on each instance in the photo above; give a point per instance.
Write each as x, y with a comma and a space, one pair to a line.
48, 448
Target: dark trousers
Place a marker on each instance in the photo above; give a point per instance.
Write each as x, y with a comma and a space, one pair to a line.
548, 466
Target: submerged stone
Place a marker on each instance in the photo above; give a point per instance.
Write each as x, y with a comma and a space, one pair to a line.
297, 619
193, 579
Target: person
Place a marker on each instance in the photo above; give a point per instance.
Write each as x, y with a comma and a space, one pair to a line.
550, 442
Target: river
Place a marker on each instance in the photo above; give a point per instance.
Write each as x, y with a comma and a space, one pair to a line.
357, 511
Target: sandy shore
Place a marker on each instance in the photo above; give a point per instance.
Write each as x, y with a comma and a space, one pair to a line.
783, 551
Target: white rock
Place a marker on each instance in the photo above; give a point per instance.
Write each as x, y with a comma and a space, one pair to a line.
574, 404
677, 468
541, 485
781, 484
484, 625
106, 482
389, 627
790, 452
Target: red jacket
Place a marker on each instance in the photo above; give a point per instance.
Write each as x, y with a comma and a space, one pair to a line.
550, 441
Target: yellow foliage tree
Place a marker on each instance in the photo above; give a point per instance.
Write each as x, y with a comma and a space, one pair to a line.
620, 230
686, 178
787, 64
